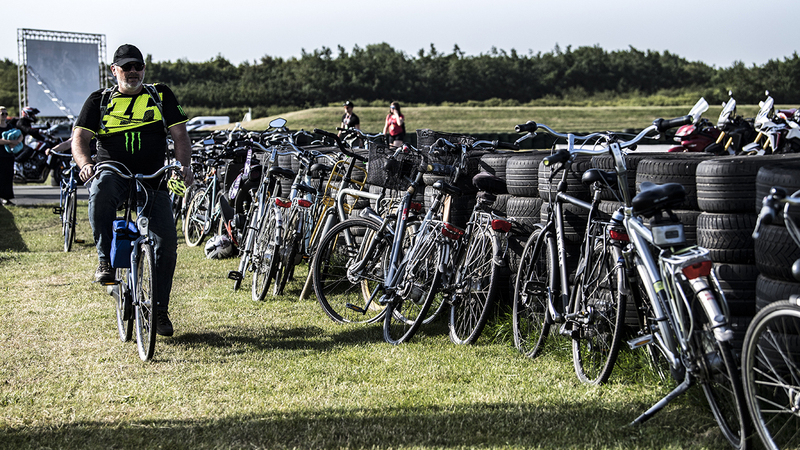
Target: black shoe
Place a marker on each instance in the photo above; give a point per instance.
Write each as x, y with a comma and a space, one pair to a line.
105, 273
164, 327
7, 202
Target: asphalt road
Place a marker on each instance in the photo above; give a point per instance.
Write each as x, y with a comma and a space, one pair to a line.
42, 195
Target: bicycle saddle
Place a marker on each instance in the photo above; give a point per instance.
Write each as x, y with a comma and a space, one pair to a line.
592, 176
654, 198
487, 182
283, 173
317, 170
306, 188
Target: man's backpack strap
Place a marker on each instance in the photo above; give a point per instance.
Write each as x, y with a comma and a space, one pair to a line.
151, 89
104, 99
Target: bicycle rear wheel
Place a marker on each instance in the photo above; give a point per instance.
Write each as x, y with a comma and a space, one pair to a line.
144, 303
340, 286
288, 250
600, 310
420, 284
535, 278
197, 218
770, 374
70, 220
123, 306
477, 282
722, 385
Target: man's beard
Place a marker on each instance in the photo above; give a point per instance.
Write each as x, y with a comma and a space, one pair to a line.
133, 84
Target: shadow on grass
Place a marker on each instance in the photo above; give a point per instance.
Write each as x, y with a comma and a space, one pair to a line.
10, 236
479, 425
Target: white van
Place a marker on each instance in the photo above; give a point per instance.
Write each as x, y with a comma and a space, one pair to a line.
196, 123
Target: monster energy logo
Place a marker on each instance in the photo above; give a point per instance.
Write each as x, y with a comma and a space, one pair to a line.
133, 141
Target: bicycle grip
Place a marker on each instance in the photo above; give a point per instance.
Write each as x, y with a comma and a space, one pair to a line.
526, 127
438, 169
505, 145
560, 156
663, 125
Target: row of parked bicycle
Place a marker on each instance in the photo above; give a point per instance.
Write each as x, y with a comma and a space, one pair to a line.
388, 240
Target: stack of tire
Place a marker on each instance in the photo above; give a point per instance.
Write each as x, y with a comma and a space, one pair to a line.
775, 249
658, 168
726, 193
522, 204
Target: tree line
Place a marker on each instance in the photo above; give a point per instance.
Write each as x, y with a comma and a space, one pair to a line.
378, 74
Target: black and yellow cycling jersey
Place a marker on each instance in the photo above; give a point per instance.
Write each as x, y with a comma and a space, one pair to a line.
133, 129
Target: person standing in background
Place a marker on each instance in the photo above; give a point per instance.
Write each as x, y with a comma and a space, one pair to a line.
395, 126
6, 160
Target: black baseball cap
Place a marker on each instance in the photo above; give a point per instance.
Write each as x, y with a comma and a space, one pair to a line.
127, 53
348, 103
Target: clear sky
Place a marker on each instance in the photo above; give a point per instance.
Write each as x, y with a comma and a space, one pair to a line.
712, 31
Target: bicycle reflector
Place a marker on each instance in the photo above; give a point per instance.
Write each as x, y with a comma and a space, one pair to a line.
618, 235
176, 186
416, 206
451, 231
501, 225
701, 269
303, 202
283, 203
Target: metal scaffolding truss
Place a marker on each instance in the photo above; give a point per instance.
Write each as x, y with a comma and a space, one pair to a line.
23, 69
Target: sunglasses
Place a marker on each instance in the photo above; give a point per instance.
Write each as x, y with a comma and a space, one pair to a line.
3, 113
137, 66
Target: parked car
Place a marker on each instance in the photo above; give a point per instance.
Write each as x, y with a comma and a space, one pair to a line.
199, 122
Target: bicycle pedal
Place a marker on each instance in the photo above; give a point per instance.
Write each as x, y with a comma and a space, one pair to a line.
58, 211
567, 330
640, 341
355, 308
79, 241
107, 283
235, 275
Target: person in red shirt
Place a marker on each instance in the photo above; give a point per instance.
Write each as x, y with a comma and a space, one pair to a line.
395, 127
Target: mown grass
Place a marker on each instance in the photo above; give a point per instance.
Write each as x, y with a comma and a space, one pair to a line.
500, 119
279, 374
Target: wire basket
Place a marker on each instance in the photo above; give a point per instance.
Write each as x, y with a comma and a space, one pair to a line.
391, 172
427, 137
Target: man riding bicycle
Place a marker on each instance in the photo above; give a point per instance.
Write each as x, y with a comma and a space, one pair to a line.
130, 122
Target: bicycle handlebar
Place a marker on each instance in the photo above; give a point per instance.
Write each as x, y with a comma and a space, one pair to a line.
340, 144
113, 166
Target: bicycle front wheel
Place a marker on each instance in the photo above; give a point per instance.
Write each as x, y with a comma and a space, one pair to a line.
535, 278
476, 287
70, 220
123, 306
770, 374
347, 268
600, 315
264, 258
197, 218
722, 386
420, 282
144, 303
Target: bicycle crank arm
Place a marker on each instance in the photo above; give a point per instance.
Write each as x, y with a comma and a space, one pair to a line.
688, 381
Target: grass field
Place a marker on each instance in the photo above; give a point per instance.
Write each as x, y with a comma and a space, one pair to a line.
279, 374
495, 119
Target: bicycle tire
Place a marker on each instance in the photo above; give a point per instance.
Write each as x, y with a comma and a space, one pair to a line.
70, 221
145, 311
770, 376
480, 276
246, 249
288, 250
596, 342
122, 304
722, 386
535, 277
406, 312
338, 250
195, 222
264, 260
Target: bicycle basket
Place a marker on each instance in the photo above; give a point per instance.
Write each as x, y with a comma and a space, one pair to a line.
391, 172
427, 137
